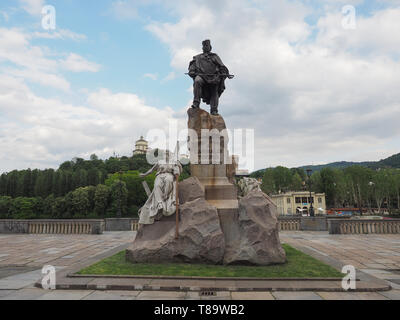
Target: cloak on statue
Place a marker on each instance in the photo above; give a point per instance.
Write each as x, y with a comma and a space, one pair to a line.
209, 67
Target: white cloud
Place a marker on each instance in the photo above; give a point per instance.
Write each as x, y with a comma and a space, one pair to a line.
41, 132
61, 34
33, 7
124, 9
38, 64
375, 35
76, 63
152, 76
332, 98
4, 16
169, 77
309, 100
43, 78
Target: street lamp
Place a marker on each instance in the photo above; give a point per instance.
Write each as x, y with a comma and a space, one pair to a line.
309, 171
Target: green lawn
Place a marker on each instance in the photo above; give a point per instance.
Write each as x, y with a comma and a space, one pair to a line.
299, 265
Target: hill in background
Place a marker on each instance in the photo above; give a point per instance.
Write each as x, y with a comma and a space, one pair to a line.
390, 162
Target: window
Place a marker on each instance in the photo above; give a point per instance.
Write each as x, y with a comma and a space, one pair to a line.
298, 200
288, 200
304, 200
310, 200
319, 200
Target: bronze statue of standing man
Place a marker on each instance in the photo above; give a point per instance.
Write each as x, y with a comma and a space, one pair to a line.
209, 74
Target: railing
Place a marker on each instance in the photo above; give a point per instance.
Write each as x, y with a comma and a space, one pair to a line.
350, 226
52, 226
134, 225
289, 223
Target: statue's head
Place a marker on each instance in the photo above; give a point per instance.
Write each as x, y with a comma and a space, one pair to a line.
207, 46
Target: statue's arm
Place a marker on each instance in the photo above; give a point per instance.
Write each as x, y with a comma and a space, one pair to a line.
192, 68
142, 175
178, 169
222, 68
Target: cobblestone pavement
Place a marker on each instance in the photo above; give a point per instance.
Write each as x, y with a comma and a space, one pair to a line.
375, 254
57, 250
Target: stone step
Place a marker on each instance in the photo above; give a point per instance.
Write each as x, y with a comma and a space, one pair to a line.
220, 192
224, 205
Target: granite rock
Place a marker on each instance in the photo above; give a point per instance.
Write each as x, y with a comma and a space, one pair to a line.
190, 189
252, 235
200, 236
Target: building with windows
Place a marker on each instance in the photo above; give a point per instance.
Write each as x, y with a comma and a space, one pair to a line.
299, 202
141, 146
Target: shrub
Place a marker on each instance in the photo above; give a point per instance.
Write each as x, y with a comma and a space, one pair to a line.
5, 203
26, 208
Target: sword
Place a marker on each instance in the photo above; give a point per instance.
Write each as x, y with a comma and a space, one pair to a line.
146, 188
229, 76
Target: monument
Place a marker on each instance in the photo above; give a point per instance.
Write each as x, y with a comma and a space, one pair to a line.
216, 225
208, 74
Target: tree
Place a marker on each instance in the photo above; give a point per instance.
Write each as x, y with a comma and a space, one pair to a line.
25, 208
59, 209
119, 197
48, 204
328, 182
80, 202
93, 177
359, 178
297, 182
381, 187
268, 185
101, 199
3, 184
5, 203
396, 186
282, 178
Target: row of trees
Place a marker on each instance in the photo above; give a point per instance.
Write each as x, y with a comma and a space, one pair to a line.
122, 194
78, 189
354, 186
281, 179
359, 187
84, 202
70, 176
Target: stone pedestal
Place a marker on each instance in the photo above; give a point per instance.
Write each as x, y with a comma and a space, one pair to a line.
204, 150
214, 227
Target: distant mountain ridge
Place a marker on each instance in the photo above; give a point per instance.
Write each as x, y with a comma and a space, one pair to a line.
390, 162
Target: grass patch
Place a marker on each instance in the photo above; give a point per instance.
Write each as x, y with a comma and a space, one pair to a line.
299, 265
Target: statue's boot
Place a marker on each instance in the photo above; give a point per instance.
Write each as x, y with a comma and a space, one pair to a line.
214, 111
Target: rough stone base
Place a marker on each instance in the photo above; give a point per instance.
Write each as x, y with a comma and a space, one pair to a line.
244, 235
251, 233
200, 236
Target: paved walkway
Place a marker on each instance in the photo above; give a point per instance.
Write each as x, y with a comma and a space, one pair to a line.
374, 254
56, 250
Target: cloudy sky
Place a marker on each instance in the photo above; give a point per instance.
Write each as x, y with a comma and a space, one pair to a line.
314, 89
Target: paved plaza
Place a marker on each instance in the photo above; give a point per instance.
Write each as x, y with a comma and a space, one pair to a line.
375, 254
22, 258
